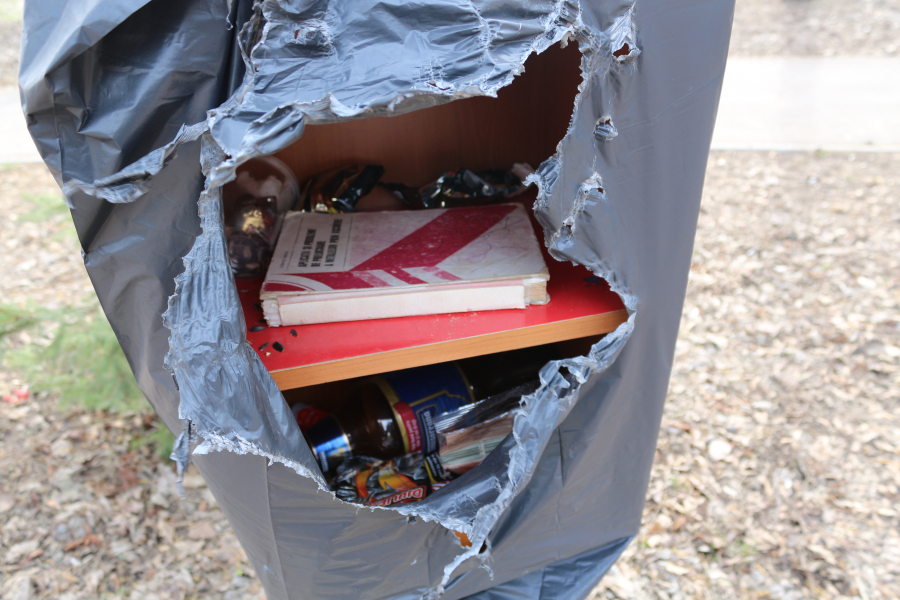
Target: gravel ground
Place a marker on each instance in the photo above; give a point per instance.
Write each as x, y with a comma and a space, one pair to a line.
816, 28
778, 464
44, 262
10, 40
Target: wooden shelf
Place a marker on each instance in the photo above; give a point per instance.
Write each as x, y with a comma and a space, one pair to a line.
581, 305
524, 123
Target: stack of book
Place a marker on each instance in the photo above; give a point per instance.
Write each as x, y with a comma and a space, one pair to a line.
376, 265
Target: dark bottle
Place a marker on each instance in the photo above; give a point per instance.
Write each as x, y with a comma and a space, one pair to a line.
393, 414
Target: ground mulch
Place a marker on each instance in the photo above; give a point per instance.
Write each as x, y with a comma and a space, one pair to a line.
10, 42
778, 464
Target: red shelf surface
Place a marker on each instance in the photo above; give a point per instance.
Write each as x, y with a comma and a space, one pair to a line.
581, 305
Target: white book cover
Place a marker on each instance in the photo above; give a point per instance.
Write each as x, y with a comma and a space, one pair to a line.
321, 258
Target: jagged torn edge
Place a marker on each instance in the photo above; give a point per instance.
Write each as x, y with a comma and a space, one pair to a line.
624, 31
605, 130
602, 354
563, 22
554, 386
597, 60
209, 207
181, 453
131, 183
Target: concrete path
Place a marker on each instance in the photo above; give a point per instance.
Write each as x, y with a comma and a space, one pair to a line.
794, 103
797, 103
15, 143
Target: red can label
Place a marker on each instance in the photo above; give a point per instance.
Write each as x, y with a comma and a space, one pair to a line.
419, 396
307, 416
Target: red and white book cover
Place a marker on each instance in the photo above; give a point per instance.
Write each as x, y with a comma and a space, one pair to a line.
386, 264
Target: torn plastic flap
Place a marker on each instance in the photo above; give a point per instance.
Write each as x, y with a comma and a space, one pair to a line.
226, 392
131, 183
181, 453
311, 55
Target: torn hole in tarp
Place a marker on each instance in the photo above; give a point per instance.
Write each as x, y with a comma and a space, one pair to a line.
583, 199
623, 37
247, 399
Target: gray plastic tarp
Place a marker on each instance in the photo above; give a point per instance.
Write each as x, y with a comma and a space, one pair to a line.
143, 109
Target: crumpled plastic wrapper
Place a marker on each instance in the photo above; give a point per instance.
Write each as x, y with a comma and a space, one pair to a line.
464, 187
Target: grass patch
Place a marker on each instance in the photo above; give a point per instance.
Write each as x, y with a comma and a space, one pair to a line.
52, 209
73, 353
47, 207
11, 10
159, 438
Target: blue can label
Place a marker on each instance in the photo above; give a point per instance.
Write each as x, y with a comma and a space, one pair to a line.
329, 444
420, 395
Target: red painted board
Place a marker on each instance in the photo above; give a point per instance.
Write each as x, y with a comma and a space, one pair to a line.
574, 293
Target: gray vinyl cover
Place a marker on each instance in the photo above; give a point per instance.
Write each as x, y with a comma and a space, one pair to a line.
143, 109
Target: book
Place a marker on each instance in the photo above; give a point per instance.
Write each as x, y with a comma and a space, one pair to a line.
376, 265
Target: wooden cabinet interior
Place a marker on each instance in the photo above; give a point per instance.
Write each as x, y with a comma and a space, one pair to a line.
523, 124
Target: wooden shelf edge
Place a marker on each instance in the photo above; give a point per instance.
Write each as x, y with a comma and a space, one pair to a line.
382, 362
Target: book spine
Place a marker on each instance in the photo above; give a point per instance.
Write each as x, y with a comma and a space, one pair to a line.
272, 313
425, 302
